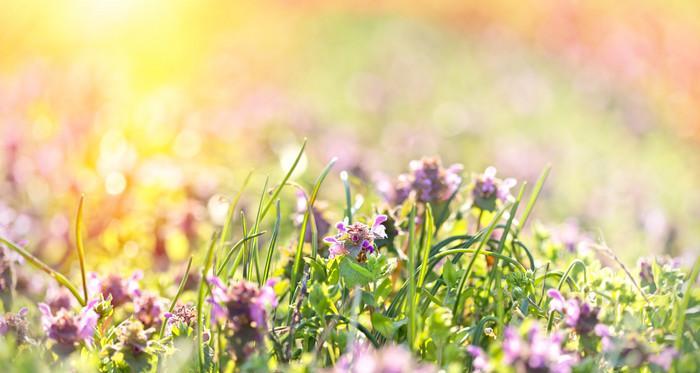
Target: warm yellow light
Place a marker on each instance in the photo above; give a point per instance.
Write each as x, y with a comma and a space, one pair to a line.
115, 183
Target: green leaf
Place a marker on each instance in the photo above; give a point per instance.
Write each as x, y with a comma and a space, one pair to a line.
353, 273
383, 324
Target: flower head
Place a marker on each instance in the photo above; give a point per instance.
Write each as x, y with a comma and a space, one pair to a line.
132, 338
579, 315
428, 180
389, 359
538, 352
68, 329
356, 239
242, 307
487, 189
149, 309
480, 361
16, 323
122, 290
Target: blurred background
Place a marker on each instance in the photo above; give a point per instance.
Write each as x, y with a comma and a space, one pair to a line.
154, 110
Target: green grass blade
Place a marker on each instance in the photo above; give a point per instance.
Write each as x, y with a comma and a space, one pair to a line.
685, 301
254, 242
200, 301
79, 244
226, 228
412, 278
273, 243
180, 289
533, 197
277, 191
348, 196
468, 272
233, 249
297, 267
428, 229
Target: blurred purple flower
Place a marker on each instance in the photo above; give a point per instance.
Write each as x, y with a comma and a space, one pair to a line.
390, 359
664, 359
122, 290
356, 239
132, 338
487, 189
538, 353
242, 307
480, 361
16, 323
578, 315
428, 180
67, 329
149, 309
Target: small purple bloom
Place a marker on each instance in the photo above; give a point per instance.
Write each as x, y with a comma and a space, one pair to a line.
66, 329
480, 361
538, 352
243, 308
361, 358
122, 290
428, 180
149, 309
356, 239
578, 315
16, 323
487, 189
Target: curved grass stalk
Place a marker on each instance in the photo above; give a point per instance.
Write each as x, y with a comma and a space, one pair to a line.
574, 263
38, 264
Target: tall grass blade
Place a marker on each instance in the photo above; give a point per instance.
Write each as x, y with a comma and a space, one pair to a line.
277, 191
297, 266
412, 278
79, 244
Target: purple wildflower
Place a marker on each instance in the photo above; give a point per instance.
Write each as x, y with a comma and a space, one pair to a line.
664, 358
537, 353
390, 359
356, 239
578, 315
487, 189
428, 180
480, 361
182, 313
16, 323
67, 329
58, 298
149, 309
570, 236
122, 290
242, 307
